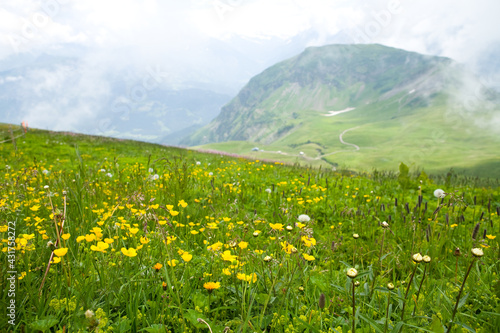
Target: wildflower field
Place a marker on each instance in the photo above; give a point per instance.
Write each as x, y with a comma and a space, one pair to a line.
104, 235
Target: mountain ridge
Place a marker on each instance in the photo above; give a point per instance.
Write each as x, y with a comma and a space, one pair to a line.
308, 71
424, 110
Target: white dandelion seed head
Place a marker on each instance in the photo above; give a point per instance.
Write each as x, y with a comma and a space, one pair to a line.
439, 193
304, 218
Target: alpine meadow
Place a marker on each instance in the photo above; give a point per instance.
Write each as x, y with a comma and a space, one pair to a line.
110, 235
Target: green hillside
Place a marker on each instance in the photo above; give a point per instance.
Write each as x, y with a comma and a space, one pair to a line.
395, 106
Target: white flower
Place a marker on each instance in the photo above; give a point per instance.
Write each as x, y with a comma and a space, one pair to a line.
304, 218
46, 187
439, 193
427, 259
109, 175
89, 314
477, 252
301, 153
45, 172
352, 273
198, 162
417, 257
268, 190
102, 170
210, 174
155, 177
150, 170
7, 167
385, 224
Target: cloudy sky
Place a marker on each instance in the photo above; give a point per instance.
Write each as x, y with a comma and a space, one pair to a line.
218, 44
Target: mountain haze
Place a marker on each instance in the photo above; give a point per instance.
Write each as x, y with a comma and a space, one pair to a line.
68, 93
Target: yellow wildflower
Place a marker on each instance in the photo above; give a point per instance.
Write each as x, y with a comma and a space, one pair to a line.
187, 257
61, 252
131, 252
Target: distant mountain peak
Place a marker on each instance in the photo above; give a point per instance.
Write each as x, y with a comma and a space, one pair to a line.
325, 78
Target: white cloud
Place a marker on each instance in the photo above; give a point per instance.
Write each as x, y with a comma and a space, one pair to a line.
9, 79
63, 98
449, 28
192, 41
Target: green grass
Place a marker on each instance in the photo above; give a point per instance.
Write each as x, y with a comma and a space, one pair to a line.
194, 218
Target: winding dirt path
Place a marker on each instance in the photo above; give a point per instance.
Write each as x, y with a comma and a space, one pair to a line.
356, 148
347, 143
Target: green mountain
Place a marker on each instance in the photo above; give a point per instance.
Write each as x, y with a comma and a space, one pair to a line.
362, 107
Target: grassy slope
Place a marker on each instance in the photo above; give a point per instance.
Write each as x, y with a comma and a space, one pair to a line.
63, 147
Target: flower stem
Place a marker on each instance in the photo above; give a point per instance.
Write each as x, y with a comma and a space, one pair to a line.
381, 250
354, 255
460, 294
353, 308
418, 292
406, 294
387, 311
